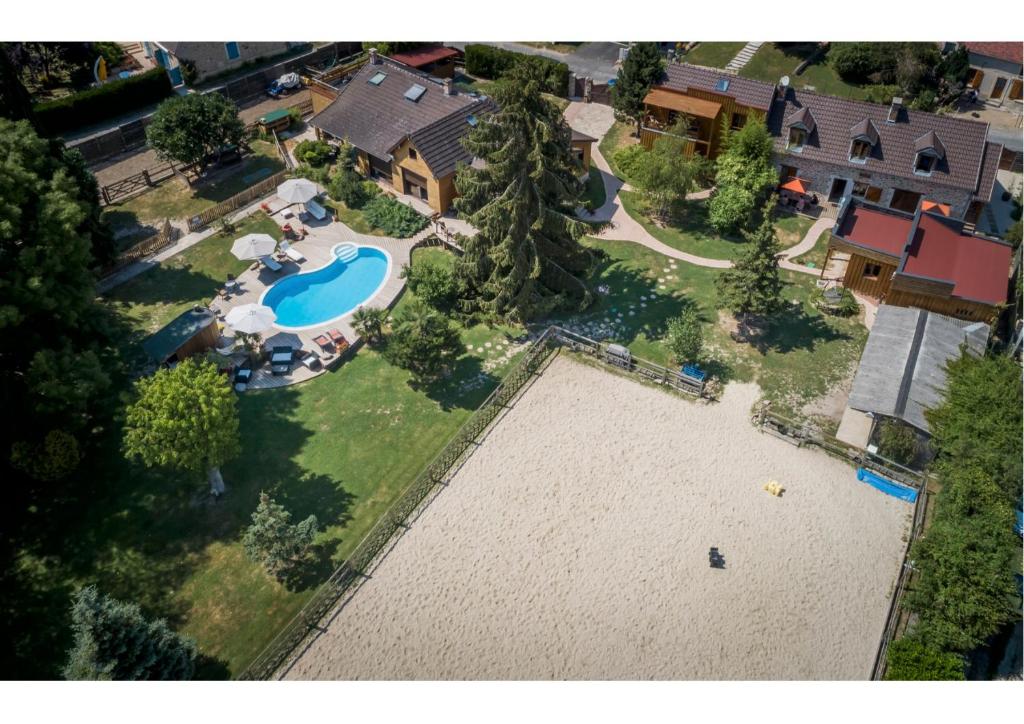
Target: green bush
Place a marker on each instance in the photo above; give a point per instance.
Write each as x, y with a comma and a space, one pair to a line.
423, 341
111, 52
881, 93
629, 159
897, 441
314, 153
910, 659
103, 102
349, 188
393, 217
486, 61
854, 62
685, 338
435, 284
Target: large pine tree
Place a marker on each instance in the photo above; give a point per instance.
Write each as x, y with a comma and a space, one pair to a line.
639, 71
753, 285
526, 260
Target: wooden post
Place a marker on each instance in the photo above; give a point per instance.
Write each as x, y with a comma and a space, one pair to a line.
145, 175
106, 196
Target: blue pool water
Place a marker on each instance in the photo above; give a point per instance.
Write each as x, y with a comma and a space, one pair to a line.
316, 297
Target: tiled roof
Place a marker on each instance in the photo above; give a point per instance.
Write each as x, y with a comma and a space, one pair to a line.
376, 118
1011, 52
747, 92
865, 129
989, 167
425, 55
876, 228
894, 154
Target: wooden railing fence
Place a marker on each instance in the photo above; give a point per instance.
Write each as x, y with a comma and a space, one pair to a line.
167, 235
263, 188
136, 183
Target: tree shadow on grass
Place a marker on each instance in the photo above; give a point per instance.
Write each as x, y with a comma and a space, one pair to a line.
465, 386
788, 330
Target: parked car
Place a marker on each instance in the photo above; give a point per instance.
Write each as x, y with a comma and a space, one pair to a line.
286, 84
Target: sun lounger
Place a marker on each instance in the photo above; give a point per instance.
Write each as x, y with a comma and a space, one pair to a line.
281, 360
317, 211
291, 252
323, 342
340, 343
269, 263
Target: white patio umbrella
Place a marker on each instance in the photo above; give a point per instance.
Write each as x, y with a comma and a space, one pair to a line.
297, 190
250, 318
253, 246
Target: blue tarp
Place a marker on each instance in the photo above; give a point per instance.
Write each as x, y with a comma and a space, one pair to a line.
887, 486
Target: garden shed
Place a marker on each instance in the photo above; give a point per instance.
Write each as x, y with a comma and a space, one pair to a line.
191, 332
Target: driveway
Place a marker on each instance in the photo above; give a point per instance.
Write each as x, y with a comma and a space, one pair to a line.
593, 60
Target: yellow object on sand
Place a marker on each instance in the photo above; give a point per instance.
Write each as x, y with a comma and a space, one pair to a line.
773, 487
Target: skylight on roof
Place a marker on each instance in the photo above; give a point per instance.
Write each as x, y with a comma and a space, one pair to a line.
471, 120
415, 92
722, 85
377, 78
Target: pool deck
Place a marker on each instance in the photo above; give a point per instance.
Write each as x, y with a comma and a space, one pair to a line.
316, 247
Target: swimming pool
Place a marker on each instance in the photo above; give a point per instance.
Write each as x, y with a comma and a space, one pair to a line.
326, 294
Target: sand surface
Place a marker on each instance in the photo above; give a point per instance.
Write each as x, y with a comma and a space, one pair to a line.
573, 544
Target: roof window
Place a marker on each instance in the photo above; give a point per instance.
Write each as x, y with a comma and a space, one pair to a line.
377, 78
415, 92
722, 85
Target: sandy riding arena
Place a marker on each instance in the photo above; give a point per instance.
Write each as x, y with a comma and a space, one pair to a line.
574, 544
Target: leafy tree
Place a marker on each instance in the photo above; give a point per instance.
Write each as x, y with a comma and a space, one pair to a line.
1014, 234
753, 285
56, 457
186, 418
435, 284
744, 177
114, 641
966, 562
314, 152
191, 129
979, 420
349, 187
639, 71
369, 323
423, 341
910, 659
273, 541
685, 338
526, 260
47, 63
665, 174
53, 334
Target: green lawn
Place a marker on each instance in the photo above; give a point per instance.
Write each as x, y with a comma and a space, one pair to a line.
714, 55
353, 218
174, 199
594, 191
342, 446
816, 256
800, 355
694, 235
467, 84
771, 62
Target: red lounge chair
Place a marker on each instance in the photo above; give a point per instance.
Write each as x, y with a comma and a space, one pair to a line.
323, 342
337, 337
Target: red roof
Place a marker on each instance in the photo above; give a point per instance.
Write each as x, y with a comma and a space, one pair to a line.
978, 267
1012, 52
876, 229
425, 56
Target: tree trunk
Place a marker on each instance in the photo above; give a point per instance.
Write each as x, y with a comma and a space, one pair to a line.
217, 486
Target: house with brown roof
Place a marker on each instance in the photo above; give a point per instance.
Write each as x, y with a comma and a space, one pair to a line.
406, 127
996, 71
710, 99
431, 58
927, 260
887, 155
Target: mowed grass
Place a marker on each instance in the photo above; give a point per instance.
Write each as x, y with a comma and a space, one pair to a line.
714, 55
799, 356
353, 218
175, 199
594, 190
692, 233
771, 62
342, 446
816, 256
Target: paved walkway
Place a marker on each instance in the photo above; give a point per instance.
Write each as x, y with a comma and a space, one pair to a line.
595, 120
743, 57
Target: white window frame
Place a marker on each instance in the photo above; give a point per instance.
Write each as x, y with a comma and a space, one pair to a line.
859, 159
789, 141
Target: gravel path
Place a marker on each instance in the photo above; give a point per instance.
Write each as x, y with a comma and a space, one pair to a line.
574, 544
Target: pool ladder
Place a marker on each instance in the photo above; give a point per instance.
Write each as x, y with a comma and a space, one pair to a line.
346, 251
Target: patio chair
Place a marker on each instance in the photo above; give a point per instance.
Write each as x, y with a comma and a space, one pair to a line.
281, 360
269, 263
311, 360
291, 252
243, 375
339, 340
324, 342
317, 211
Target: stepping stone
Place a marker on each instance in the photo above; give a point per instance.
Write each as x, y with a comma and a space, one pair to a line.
487, 344
469, 347
661, 279
643, 298
479, 349
632, 313
665, 270
643, 304
661, 286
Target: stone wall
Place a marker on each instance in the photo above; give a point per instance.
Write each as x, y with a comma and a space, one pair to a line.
820, 176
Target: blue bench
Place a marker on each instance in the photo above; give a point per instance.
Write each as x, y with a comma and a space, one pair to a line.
695, 372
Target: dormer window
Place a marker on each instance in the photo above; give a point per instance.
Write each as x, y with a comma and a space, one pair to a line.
863, 138
797, 138
925, 163
930, 150
860, 149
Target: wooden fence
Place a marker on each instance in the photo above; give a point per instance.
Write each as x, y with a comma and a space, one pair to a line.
136, 183
263, 188
360, 562
147, 247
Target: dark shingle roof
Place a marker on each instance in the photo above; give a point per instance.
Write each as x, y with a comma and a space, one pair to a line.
376, 118
166, 341
894, 154
931, 140
989, 166
751, 93
803, 117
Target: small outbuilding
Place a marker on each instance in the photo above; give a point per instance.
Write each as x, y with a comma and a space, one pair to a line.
902, 371
191, 332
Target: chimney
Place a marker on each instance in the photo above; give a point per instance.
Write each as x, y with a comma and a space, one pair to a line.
449, 89
374, 58
894, 110
783, 85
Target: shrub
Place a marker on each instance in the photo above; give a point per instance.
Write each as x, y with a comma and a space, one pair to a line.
54, 458
881, 93
314, 153
393, 217
423, 341
730, 208
854, 62
103, 102
435, 284
319, 174
112, 52
486, 61
685, 338
629, 159
347, 187
910, 659
925, 101
897, 441
846, 307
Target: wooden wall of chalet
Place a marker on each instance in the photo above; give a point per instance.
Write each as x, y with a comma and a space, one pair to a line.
950, 306
873, 286
648, 137
203, 340
729, 106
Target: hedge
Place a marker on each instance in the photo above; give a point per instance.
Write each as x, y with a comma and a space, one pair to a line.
103, 102
486, 61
